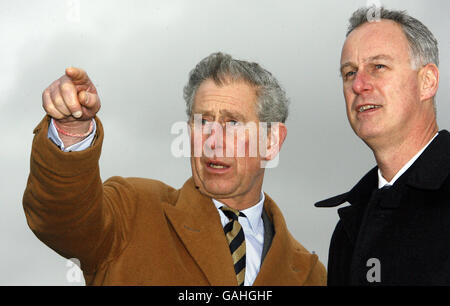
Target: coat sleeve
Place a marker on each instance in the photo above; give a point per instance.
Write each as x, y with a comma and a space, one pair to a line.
69, 208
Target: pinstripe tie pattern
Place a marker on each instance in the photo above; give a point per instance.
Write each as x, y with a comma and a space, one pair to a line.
236, 240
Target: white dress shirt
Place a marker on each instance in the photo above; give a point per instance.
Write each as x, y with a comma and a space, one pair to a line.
253, 227
382, 181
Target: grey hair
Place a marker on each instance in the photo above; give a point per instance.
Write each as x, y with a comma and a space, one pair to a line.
272, 103
423, 45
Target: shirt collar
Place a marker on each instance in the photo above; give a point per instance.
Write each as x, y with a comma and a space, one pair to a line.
383, 182
253, 213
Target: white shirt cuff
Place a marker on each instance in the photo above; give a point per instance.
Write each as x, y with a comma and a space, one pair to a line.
80, 146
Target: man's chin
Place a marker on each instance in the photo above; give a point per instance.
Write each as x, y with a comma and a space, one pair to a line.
368, 133
215, 191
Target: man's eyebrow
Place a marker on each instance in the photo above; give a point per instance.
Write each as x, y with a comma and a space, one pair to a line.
347, 64
367, 60
225, 113
231, 114
379, 57
203, 112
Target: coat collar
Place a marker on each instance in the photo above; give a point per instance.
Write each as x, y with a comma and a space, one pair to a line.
433, 166
428, 172
362, 190
197, 222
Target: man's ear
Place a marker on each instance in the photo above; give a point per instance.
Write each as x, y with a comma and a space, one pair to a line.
429, 81
275, 139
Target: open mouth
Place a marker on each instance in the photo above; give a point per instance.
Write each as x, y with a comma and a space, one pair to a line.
367, 107
214, 164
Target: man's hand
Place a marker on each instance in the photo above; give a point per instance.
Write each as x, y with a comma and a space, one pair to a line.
72, 101
73, 97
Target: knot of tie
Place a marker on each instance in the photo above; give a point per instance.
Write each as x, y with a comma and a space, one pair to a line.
231, 213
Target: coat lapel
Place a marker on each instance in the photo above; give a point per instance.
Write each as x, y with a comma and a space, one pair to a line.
286, 262
197, 223
358, 197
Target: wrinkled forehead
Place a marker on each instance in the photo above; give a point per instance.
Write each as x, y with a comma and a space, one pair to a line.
227, 98
374, 38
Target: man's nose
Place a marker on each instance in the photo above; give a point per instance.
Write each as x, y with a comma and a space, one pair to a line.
362, 82
216, 138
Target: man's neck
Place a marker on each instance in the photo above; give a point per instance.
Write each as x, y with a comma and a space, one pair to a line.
390, 159
240, 203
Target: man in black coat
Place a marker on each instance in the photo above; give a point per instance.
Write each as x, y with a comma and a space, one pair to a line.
396, 230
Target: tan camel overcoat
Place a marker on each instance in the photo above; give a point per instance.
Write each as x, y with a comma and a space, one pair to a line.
135, 231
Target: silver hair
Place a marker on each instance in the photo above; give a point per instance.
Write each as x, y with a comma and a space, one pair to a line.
272, 103
423, 45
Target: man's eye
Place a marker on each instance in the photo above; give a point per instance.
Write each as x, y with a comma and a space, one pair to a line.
380, 66
349, 74
233, 122
206, 124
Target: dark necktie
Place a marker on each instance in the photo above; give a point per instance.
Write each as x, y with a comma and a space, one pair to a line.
236, 240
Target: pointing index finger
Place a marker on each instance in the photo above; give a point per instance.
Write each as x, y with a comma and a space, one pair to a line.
77, 75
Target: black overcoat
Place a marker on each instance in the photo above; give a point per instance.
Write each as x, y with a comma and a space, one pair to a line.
400, 235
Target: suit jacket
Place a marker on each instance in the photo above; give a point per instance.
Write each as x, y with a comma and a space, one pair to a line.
135, 231
406, 227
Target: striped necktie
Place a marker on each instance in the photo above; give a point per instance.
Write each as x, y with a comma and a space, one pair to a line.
236, 240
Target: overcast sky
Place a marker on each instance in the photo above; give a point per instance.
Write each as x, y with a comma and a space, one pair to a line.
139, 54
